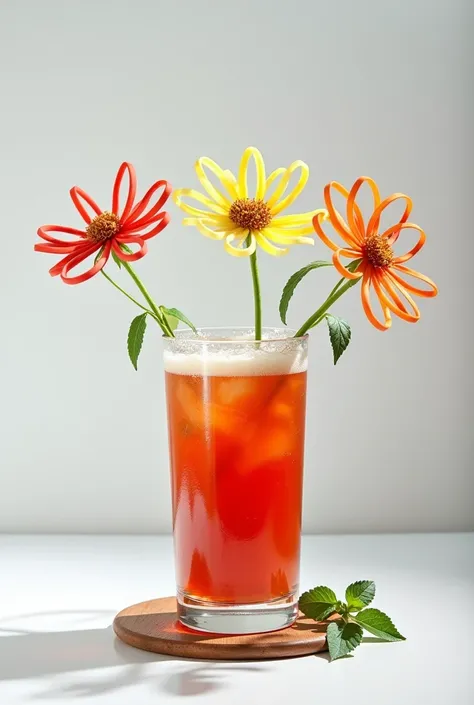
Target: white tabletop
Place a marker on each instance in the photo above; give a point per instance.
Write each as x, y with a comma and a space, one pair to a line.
58, 596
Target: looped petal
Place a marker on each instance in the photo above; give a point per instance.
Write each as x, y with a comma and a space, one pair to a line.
270, 249
132, 190
383, 286
365, 296
206, 183
287, 237
55, 249
97, 266
44, 231
352, 238
306, 230
297, 219
373, 224
277, 206
209, 232
130, 256
230, 182
281, 186
77, 193
178, 195
354, 214
162, 220
352, 254
426, 293
260, 167
240, 250
80, 248
317, 220
411, 253
134, 220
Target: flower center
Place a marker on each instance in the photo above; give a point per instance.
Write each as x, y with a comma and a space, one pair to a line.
250, 214
103, 227
378, 251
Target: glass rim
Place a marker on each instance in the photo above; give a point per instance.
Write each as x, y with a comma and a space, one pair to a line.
188, 335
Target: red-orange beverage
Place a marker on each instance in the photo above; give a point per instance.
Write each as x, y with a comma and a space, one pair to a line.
236, 448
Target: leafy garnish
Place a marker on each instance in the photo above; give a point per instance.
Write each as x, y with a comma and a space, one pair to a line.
135, 337
344, 633
342, 638
318, 603
339, 334
176, 313
293, 282
378, 624
360, 594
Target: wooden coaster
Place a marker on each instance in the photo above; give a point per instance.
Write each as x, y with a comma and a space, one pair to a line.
154, 626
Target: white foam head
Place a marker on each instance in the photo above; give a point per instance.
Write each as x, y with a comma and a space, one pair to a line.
242, 365
235, 355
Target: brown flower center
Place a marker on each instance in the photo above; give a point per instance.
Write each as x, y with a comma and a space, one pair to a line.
378, 251
250, 214
103, 227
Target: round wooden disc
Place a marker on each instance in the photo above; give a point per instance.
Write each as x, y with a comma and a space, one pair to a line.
154, 626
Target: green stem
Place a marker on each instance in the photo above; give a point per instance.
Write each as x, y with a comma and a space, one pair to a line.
156, 311
137, 303
257, 297
318, 316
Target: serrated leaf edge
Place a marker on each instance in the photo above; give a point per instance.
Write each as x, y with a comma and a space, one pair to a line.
340, 626
292, 283
138, 332
360, 582
338, 353
374, 630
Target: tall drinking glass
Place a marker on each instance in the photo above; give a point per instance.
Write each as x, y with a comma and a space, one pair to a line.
236, 420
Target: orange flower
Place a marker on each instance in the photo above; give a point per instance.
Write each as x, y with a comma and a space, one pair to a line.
106, 231
380, 268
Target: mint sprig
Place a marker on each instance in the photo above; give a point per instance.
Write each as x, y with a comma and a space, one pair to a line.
349, 619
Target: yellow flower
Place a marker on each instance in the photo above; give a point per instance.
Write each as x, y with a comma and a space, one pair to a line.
241, 221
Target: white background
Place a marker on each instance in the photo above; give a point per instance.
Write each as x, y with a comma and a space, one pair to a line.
368, 87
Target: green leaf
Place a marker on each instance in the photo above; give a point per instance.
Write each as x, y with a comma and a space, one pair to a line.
318, 603
135, 337
342, 639
378, 624
339, 334
117, 260
360, 594
172, 321
352, 266
176, 313
293, 282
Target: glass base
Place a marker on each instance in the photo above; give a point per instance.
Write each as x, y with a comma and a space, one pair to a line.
222, 618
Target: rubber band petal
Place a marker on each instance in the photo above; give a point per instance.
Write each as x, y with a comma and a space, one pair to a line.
240, 251
134, 218
374, 222
97, 266
130, 256
243, 170
353, 239
365, 296
219, 197
266, 245
352, 254
132, 190
412, 273
277, 206
76, 194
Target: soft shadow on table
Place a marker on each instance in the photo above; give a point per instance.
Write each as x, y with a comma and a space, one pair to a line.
78, 656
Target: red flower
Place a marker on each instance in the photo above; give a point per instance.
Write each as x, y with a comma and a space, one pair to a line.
107, 231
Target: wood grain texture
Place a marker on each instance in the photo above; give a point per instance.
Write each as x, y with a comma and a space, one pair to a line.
154, 626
